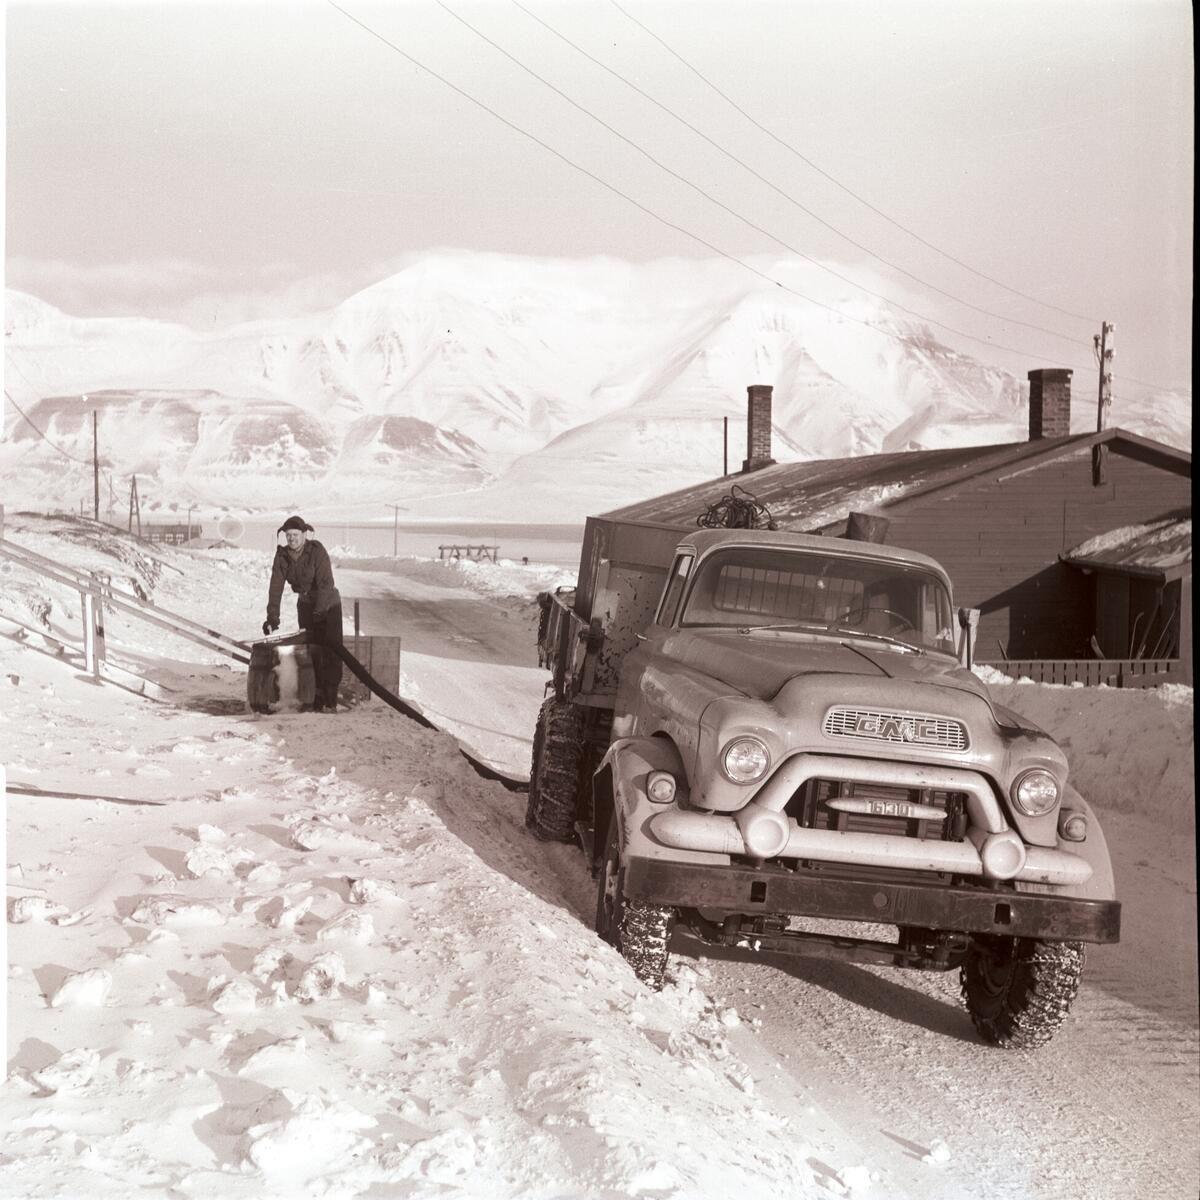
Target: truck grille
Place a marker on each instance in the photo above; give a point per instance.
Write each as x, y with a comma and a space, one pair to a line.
883, 808
915, 729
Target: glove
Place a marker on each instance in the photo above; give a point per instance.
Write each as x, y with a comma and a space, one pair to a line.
269, 627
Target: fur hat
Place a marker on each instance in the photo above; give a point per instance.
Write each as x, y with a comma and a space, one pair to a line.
295, 523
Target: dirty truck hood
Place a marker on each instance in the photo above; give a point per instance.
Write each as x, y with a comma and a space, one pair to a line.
759, 664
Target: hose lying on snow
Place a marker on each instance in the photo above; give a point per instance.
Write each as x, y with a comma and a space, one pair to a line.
480, 768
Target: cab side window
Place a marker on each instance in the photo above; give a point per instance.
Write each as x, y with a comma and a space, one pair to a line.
680, 571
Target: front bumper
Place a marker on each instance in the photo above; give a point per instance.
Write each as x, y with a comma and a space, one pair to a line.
921, 905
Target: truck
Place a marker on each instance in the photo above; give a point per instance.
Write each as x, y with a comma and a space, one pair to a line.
772, 741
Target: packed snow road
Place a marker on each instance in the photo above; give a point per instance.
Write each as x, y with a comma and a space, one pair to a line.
1107, 1109
433, 618
891, 1056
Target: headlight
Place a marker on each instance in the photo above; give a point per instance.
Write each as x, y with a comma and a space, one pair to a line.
1035, 792
660, 787
745, 760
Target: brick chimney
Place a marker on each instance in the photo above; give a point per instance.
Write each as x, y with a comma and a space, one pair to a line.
1049, 403
758, 427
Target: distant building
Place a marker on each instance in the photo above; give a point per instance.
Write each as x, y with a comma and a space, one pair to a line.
171, 535
1071, 547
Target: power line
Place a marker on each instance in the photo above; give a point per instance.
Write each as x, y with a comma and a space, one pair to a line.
29, 421
603, 182
787, 196
837, 183
747, 221
712, 199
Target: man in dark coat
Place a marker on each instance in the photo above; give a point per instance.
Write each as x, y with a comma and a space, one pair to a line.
305, 565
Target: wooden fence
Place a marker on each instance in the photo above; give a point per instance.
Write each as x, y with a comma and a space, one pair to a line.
472, 551
1115, 672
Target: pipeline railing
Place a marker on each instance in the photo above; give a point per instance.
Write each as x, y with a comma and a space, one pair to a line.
97, 591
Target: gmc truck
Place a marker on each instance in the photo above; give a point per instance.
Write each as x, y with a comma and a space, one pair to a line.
772, 741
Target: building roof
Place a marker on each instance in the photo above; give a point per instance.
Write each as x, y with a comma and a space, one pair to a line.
1159, 548
822, 492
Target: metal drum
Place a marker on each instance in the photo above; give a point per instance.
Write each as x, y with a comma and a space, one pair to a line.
281, 677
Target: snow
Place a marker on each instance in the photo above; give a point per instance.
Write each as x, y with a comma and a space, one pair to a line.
1149, 772
329, 961
1165, 543
469, 384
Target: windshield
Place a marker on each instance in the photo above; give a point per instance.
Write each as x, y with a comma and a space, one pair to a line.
803, 589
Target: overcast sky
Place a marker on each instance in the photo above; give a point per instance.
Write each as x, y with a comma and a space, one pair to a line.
210, 161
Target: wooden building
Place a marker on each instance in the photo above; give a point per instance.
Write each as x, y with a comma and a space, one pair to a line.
170, 534
1010, 523
1142, 588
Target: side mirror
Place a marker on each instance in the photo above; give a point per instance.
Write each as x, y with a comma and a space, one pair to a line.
968, 620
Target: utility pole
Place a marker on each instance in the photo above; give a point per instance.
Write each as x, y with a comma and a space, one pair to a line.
135, 508
95, 462
725, 461
189, 524
1104, 356
395, 529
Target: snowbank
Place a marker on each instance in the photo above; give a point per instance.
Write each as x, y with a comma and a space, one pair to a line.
286, 981
1130, 749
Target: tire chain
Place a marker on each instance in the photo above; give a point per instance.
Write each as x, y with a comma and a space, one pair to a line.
554, 780
644, 935
1044, 985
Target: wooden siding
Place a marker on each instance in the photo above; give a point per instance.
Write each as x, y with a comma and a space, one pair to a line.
1000, 536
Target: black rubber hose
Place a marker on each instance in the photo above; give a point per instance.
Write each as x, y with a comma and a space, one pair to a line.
387, 697
480, 768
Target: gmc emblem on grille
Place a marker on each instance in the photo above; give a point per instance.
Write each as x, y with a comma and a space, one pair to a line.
904, 729
920, 729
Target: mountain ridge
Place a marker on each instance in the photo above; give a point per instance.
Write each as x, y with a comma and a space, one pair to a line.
500, 386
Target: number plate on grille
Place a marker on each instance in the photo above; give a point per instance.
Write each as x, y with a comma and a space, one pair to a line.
887, 808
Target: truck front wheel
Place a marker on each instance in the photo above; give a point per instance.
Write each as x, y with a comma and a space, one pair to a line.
554, 771
640, 932
1019, 990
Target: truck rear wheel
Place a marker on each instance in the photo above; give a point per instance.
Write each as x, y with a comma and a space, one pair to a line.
640, 932
1019, 990
554, 771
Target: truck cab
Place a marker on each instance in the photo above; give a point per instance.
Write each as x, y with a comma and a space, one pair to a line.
783, 751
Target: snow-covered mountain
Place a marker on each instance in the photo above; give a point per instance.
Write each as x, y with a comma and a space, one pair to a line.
487, 385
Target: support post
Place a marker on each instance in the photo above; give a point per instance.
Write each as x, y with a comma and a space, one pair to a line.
725, 458
88, 606
98, 585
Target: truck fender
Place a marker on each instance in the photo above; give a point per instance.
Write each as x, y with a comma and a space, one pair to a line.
620, 791
1094, 850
